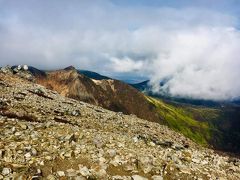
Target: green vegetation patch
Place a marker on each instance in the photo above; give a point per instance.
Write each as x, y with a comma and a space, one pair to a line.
182, 121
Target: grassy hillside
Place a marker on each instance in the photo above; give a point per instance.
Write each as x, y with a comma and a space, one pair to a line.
217, 127
180, 120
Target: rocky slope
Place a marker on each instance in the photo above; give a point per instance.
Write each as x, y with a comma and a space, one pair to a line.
44, 135
215, 127
108, 93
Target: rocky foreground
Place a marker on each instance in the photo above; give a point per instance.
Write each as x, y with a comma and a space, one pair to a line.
46, 136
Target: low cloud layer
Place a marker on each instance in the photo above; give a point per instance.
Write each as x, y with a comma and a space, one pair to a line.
194, 48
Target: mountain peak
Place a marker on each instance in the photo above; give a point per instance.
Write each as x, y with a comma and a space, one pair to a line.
70, 68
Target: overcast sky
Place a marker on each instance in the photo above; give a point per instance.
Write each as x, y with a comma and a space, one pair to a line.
195, 45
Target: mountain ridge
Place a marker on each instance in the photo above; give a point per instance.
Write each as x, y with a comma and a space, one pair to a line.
121, 97
50, 136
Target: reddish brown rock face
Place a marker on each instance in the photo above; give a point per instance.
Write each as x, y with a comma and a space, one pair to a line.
111, 94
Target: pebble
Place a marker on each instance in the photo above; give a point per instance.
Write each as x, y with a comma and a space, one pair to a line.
137, 177
60, 173
84, 171
6, 171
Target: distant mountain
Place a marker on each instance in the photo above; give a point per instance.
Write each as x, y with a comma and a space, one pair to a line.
216, 125
92, 75
142, 86
146, 89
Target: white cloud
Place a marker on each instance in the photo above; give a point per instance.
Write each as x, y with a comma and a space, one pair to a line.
125, 64
196, 49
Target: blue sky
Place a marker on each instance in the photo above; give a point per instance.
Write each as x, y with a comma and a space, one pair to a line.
194, 44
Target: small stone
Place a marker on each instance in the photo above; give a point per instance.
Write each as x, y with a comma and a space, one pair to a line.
51, 177
197, 161
27, 155
70, 138
48, 158
60, 173
98, 142
84, 171
135, 139
120, 145
152, 144
41, 163
116, 161
19, 67
39, 171
34, 151
76, 113
23, 126
156, 177
79, 178
69, 154
6, 171
111, 152
71, 173
101, 173
25, 67
137, 177
18, 134
13, 129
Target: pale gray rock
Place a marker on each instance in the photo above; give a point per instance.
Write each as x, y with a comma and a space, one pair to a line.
84, 171
6, 171
137, 177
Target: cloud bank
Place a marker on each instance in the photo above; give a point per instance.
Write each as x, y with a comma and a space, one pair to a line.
195, 48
